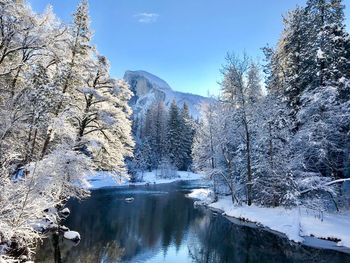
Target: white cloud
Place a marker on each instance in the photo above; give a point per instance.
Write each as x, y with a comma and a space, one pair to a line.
146, 18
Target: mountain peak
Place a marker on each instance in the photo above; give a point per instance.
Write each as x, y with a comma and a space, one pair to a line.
148, 88
154, 80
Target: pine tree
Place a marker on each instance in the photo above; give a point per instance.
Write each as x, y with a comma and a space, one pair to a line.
295, 58
174, 136
330, 40
187, 137
159, 131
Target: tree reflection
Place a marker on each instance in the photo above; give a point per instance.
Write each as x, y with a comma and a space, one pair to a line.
219, 240
160, 219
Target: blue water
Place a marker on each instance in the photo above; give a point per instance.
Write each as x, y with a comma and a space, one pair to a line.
162, 225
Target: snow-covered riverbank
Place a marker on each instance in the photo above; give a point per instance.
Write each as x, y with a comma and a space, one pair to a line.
105, 180
297, 224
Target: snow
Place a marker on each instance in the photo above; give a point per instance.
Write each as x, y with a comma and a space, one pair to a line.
72, 235
330, 226
159, 89
320, 54
277, 219
203, 196
296, 223
105, 179
150, 77
65, 211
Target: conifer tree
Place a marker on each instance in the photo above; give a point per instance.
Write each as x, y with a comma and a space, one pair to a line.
174, 135
187, 137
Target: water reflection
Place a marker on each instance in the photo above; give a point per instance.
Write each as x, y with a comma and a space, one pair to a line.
161, 225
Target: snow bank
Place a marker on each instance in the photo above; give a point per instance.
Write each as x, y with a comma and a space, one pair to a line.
295, 223
153, 178
334, 227
204, 196
105, 179
277, 219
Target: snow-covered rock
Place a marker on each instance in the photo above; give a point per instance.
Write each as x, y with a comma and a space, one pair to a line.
72, 235
204, 196
148, 89
129, 199
63, 228
65, 212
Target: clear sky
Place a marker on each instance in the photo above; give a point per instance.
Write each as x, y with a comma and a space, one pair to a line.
182, 41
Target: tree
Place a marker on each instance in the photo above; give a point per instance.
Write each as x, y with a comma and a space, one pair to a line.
71, 70
102, 118
315, 60
160, 130
62, 116
238, 89
295, 57
174, 135
187, 137
275, 184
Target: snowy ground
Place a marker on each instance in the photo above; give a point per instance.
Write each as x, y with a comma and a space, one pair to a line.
104, 179
297, 223
203, 196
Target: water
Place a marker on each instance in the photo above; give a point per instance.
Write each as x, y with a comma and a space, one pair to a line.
162, 225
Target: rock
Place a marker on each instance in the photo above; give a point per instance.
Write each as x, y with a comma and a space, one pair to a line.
148, 89
129, 199
23, 258
63, 228
72, 235
65, 212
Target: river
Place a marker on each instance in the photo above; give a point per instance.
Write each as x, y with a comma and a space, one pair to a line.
162, 225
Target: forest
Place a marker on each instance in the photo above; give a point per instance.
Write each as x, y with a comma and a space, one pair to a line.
289, 144
62, 115
278, 135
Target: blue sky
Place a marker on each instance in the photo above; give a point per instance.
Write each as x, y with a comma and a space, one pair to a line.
182, 41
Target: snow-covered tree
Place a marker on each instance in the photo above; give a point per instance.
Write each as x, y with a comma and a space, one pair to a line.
174, 134
61, 117
240, 91
187, 137
102, 118
274, 184
71, 70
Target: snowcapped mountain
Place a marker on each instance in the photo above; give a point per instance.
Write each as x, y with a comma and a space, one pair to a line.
149, 88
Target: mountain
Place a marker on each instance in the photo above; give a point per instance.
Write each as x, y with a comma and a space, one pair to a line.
148, 88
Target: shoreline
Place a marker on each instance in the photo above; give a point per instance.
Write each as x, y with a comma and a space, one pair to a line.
298, 225
309, 241
103, 180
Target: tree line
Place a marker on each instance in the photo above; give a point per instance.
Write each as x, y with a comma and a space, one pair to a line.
163, 139
62, 116
287, 143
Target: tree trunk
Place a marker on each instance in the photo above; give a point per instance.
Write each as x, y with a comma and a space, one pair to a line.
249, 167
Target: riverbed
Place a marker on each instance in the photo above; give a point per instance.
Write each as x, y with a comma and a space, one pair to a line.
162, 225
